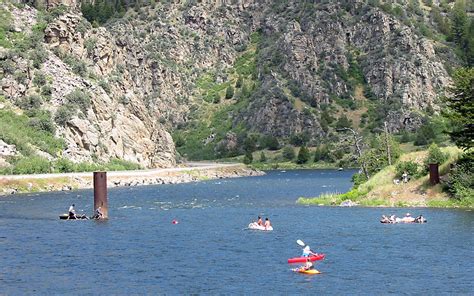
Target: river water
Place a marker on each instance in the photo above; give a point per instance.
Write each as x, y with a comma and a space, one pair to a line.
139, 251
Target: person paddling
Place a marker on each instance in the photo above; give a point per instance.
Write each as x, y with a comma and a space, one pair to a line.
307, 252
308, 265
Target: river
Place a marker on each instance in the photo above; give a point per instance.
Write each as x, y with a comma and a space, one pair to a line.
210, 251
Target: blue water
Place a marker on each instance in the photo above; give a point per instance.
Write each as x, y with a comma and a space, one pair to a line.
139, 250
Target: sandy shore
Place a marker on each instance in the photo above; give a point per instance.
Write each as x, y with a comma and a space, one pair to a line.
190, 172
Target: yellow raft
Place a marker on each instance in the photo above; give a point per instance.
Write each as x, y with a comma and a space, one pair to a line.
309, 271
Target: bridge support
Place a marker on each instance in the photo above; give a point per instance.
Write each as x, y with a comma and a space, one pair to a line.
100, 193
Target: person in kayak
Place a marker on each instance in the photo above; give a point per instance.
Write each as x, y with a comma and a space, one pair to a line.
259, 221
98, 213
308, 265
72, 212
267, 223
308, 252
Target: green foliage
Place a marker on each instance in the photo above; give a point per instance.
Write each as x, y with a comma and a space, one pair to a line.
101, 11
303, 155
288, 153
248, 158
343, 122
116, 164
63, 165
239, 82
435, 155
263, 158
64, 114
269, 142
411, 168
80, 99
30, 102
460, 108
299, 139
461, 179
39, 79
31, 165
16, 130
41, 120
229, 92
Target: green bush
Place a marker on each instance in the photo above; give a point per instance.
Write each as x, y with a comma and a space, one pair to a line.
435, 155
64, 114
39, 79
303, 155
31, 165
263, 158
248, 158
30, 102
80, 99
229, 92
461, 178
411, 168
288, 153
116, 164
63, 165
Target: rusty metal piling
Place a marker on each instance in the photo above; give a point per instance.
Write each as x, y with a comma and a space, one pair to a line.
100, 193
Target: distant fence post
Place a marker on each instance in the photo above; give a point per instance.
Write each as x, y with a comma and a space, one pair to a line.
100, 193
434, 173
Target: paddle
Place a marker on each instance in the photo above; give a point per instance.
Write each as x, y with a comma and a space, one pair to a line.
301, 243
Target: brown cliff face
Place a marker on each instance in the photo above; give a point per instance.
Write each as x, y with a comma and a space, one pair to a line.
144, 72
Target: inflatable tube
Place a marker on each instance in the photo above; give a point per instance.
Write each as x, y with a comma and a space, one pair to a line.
303, 259
255, 226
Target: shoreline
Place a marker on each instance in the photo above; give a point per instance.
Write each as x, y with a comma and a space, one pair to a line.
13, 184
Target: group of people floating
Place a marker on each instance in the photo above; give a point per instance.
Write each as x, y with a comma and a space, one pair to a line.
266, 224
98, 214
407, 219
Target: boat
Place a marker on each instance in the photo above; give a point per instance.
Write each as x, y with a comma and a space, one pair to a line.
78, 217
255, 226
304, 259
306, 271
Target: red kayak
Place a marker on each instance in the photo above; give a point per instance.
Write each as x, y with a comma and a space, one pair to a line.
303, 259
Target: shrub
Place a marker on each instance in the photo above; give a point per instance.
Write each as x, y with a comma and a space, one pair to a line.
31, 165
288, 153
63, 165
435, 155
248, 158
303, 155
39, 79
461, 178
229, 92
263, 158
80, 99
30, 102
410, 167
47, 91
42, 121
38, 56
64, 114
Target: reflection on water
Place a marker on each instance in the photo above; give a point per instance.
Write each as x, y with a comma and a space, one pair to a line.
140, 251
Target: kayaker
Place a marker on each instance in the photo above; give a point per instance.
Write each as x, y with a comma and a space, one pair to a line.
308, 252
72, 212
259, 221
308, 265
267, 223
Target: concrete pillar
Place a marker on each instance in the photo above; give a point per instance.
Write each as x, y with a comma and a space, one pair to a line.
434, 173
100, 193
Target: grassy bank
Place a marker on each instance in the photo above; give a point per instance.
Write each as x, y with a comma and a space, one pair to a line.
380, 189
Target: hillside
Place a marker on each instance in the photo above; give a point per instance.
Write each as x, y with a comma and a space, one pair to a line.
150, 83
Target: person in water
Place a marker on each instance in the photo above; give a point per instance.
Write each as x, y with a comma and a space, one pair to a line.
259, 221
267, 223
98, 213
72, 212
308, 252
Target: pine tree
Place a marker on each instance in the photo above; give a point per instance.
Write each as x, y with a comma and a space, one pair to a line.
263, 158
303, 155
229, 92
248, 158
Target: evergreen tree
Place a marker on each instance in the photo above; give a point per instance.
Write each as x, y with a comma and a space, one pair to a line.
460, 108
288, 153
263, 158
229, 92
459, 24
303, 155
248, 158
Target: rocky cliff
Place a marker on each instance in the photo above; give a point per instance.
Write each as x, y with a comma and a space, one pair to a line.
165, 68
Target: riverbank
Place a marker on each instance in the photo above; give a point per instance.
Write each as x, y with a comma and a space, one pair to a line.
13, 184
381, 191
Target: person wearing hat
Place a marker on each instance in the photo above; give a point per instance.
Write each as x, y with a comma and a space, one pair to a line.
72, 212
